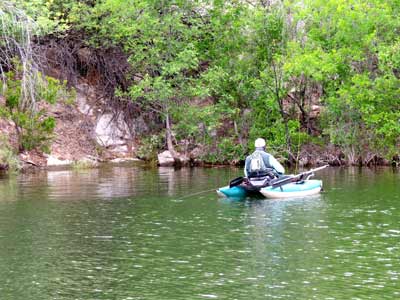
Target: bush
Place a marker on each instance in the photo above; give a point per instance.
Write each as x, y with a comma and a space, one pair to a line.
34, 128
8, 158
227, 151
149, 147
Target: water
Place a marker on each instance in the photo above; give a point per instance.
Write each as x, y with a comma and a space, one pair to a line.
135, 233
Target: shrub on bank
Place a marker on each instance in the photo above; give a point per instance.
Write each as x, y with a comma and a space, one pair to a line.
8, 158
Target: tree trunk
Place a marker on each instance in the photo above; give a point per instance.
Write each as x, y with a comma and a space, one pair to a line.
238, 134
19, 137
285, 121
277, 87
170, 145
287, 133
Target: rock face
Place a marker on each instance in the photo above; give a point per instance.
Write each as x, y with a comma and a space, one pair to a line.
111, 131
82, 93
107, 130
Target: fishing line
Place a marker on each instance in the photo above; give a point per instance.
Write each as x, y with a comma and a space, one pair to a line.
198, 193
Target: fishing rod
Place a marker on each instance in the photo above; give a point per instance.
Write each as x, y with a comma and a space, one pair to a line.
299, 177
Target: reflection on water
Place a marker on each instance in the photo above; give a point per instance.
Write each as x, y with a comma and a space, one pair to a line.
112, 182
136, 233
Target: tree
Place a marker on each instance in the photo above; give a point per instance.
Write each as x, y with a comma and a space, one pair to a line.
271, 37
22, 85
160, 39
339, 47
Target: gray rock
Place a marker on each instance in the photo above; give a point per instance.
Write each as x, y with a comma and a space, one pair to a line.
53, 161
165, 159
111, 131
124, 160
83, 92
183, 160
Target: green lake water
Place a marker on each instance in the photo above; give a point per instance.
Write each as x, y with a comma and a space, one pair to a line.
135, 233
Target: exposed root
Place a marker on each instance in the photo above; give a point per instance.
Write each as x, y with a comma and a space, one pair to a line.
106, 69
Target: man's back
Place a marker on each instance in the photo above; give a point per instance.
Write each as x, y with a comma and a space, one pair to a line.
260, 161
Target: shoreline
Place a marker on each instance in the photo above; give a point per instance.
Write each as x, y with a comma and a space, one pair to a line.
131, 162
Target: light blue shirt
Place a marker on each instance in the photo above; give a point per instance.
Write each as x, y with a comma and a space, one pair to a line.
269, 161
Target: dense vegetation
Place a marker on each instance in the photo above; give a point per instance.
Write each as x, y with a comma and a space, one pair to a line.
221, 73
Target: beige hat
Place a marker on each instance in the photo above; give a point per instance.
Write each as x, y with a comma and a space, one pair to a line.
259, 143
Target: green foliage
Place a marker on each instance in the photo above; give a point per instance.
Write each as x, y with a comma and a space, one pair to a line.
196, 124
276, 138
84, 164
148, 148
160, 39
349, 48
227, 151
367, 111
53, 16
35, 133
34, 128
201, 65
8, 158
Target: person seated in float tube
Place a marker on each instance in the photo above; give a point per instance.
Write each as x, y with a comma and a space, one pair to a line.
261, 164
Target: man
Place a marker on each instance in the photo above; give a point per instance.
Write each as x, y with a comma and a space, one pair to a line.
261, 163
